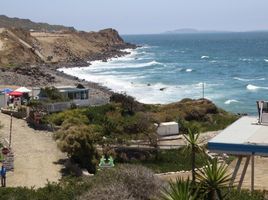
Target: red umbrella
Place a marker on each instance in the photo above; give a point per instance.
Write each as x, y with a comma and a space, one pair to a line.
15, 93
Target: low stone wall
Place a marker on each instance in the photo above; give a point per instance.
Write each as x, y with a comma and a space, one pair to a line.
16, 114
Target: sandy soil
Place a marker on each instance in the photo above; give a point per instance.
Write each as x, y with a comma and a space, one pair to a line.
36, 155
1, 42
261, 173
1, 45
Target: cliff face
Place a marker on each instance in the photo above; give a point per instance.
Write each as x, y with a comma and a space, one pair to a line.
22, 47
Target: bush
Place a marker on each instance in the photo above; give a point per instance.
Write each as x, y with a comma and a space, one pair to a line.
137, 181
69, 115
79, 143
52, 94
130, 106
245, 195
113, 191
168, 160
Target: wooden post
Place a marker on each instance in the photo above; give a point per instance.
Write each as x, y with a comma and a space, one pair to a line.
252, 172
237, 166
243, 173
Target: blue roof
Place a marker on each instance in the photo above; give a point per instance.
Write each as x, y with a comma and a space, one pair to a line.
6, 90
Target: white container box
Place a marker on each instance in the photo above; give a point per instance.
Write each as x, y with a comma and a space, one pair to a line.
168, 128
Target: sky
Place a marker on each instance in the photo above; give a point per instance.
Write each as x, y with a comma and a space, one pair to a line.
144, 16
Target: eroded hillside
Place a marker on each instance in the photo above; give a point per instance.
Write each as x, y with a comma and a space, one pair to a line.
20, 47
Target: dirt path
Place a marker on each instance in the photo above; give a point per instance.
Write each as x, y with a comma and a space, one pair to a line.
36, 155
261, 173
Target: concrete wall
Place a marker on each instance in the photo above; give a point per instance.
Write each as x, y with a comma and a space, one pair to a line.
3, 100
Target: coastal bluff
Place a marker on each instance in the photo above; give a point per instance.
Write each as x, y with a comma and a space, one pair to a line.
22, 47
25, 43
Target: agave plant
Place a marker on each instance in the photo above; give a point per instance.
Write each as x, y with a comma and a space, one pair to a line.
214, 177
193, 147
180, 190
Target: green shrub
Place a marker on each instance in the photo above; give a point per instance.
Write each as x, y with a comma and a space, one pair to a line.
245, 195
167, 161
52, 94
79, 143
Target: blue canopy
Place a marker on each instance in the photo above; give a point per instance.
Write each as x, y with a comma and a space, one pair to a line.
6, 90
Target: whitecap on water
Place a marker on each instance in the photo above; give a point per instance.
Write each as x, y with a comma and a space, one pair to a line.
254, 87
245, 59
229, 101
204, 57
188, 70
249, 79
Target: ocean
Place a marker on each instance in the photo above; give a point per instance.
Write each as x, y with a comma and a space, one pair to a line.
231, 67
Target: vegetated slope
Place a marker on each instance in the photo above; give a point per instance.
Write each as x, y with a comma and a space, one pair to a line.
21, 47
26, 24
199, 114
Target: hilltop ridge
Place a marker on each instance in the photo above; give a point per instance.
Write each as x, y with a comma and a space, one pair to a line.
26, 24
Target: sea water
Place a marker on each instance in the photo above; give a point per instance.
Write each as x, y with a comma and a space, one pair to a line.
231, 67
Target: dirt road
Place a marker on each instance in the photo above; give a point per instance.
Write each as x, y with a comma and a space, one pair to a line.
36, 155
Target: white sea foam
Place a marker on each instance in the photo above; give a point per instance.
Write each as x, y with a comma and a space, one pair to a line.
204, 57
189, 70
249, 79
266, 60
229, 101
213, 61
146, 92
99, 66
110, 74
245, 59
254, 87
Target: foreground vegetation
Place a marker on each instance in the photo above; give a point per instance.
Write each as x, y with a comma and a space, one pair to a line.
125, 120
125, 182
168, 160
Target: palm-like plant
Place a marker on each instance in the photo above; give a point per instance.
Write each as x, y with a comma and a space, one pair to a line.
193, 147
180, 190
213, 177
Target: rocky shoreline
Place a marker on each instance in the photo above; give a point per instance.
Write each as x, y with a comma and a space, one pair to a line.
42, 75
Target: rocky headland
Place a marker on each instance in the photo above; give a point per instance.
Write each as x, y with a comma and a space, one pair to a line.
31, 53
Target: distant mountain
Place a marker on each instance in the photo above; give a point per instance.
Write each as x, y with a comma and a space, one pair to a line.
26, 24
191, 30
183, 30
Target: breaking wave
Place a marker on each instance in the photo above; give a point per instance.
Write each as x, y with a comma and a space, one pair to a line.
229, 101
254, 87
249, 79
188, 70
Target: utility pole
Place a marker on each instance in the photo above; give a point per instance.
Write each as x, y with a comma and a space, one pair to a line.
10, 130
